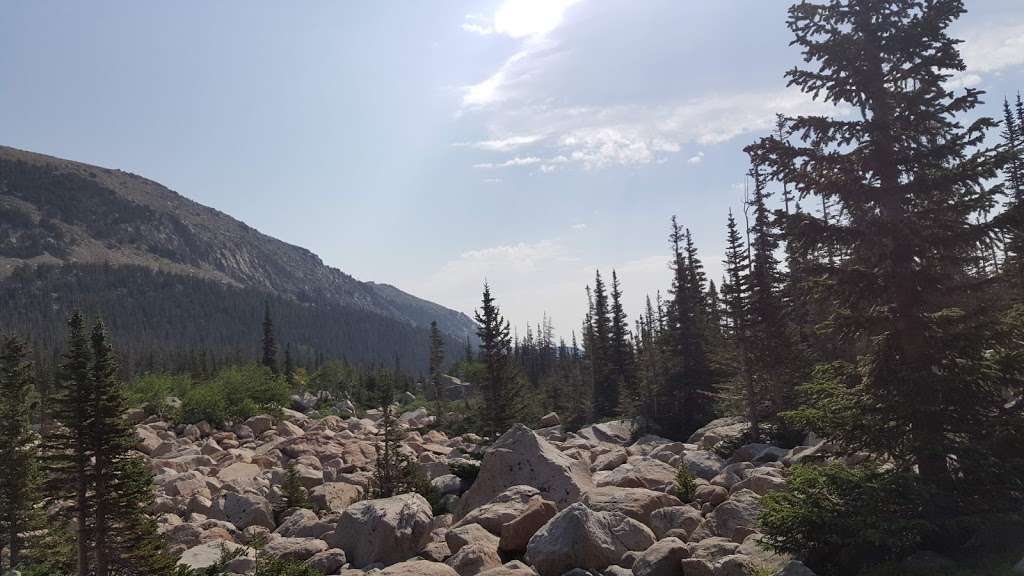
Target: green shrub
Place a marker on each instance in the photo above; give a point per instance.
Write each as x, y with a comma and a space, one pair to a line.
686, 486
151, 391
841, 519
233, 395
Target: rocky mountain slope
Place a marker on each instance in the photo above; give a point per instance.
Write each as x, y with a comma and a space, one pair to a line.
543, 502
85, 219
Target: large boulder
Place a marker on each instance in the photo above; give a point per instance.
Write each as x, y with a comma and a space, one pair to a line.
579, 537
418, 568
662, 559
208, 554
335, 496
295, 549
522, 457
685, 518
303, 523
386, 531
739, 512
242, 476
328, 561
637, 503
244, 510
516, 533
505, 507
703, 464
460, 536
475, 558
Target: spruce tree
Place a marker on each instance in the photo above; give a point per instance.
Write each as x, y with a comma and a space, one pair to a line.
18, 450
906, 180
68, 446
289, 367
436, 364
606, 392
685, 400
736, 307
122, 486
269, 357
500, 386
1013, 140
774, 366
620, 348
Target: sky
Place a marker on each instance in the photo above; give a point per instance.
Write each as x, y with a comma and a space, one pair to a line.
433, 144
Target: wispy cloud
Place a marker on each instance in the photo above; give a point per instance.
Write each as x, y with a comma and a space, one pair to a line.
503, 144
517, 161
600, 137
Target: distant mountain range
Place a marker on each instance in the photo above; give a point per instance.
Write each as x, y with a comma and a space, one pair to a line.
176, 279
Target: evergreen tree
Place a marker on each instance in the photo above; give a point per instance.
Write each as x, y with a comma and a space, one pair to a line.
684, 402
606, 391
620, 347
1013, 139
736, 307
68, 441
289, 367
122, 485
773, 363
18, 450
269, 358
500, 386
436, 364
907, 180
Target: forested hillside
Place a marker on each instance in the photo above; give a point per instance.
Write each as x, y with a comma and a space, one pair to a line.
177, 279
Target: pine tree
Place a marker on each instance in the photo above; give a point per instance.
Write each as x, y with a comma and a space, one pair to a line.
436, 364
1013, 139
121, 483
606, 392
68, 446
906, 180
269, 358
18, 450
620, 347
500, 386
736, 306
685, 400
773, 363
289, 367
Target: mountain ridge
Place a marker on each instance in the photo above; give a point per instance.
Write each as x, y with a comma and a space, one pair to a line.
57, 212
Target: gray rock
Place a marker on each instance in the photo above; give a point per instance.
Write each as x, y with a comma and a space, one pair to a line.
520, 457
582, 538
386, 530
663, 558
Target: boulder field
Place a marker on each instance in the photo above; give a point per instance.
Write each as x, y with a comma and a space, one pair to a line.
544, 502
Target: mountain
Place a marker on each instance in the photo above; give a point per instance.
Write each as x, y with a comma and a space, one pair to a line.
175, 278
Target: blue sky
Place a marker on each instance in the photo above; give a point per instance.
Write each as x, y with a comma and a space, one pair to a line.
432, 144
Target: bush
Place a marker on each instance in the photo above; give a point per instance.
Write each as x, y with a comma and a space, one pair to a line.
842, 519
686, 486
233, 395
150, 392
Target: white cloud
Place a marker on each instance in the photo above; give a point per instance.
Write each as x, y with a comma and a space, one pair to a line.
600, 137
579, 226
993, 49
517, 161
504, 144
